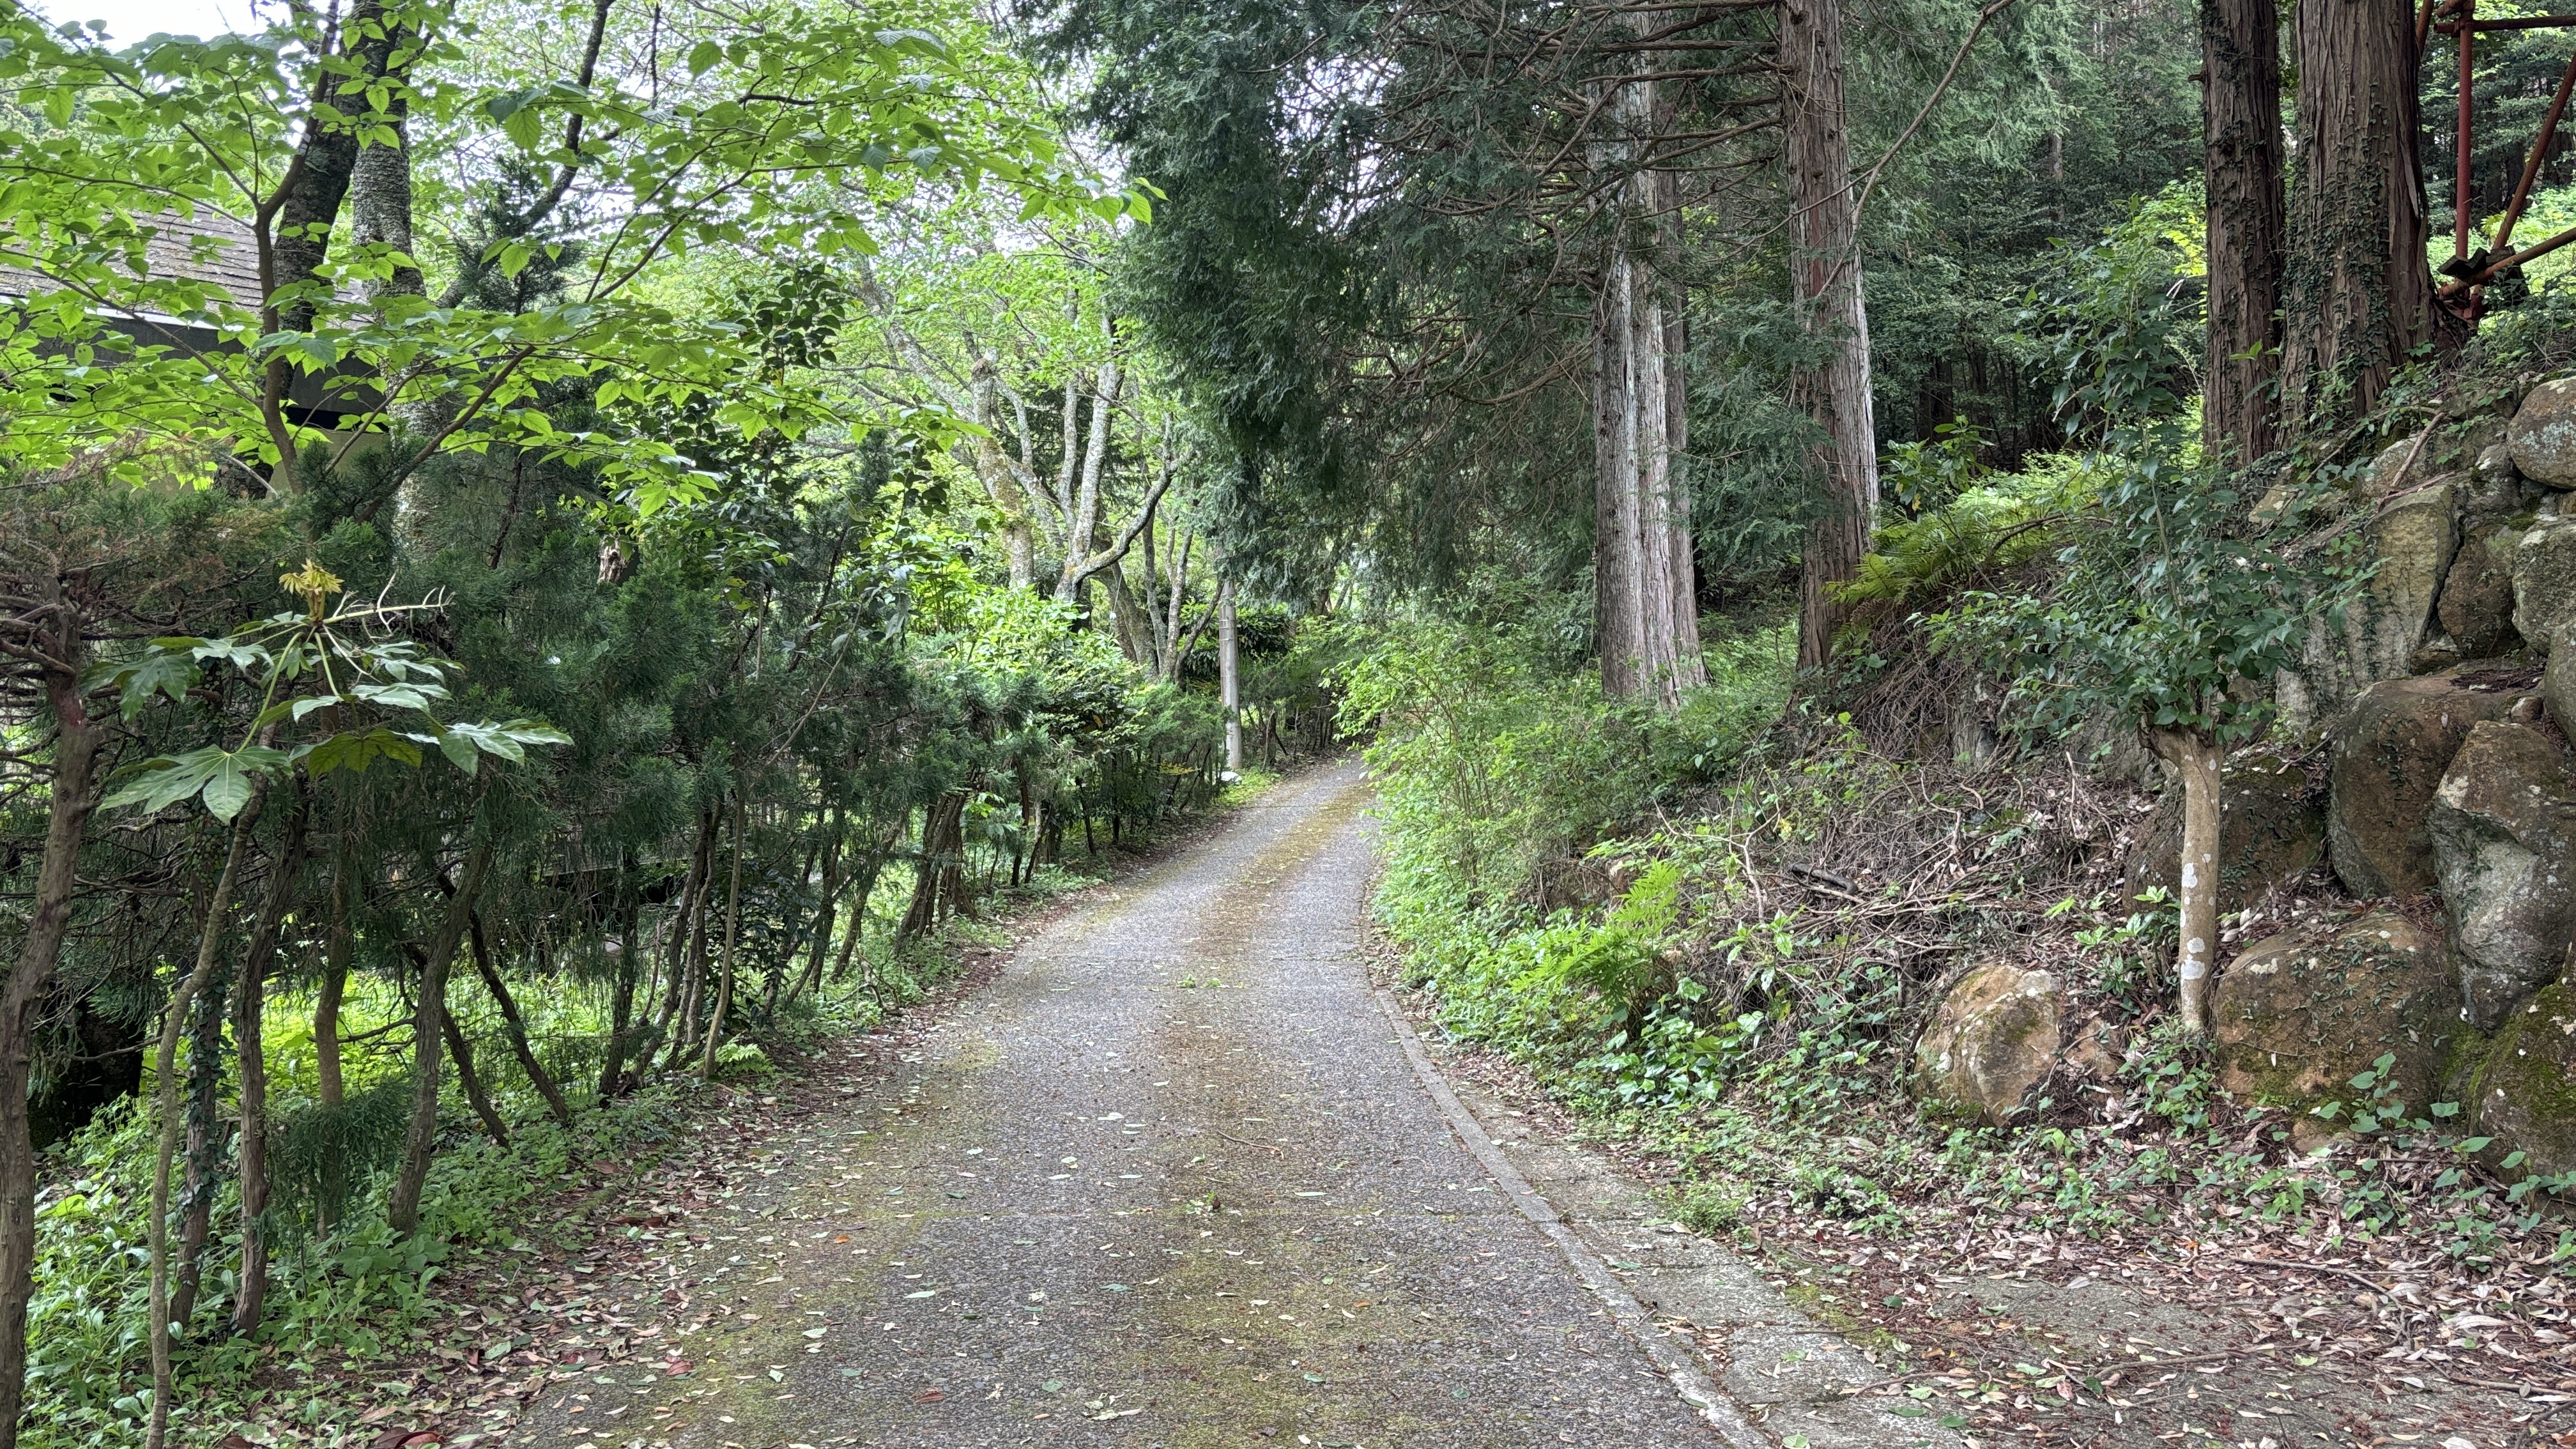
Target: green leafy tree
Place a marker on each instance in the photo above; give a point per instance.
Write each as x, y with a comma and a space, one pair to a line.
2166, 609
748, 147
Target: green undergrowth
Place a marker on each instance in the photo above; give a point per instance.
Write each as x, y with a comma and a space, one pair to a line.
1707, 988
350, 1302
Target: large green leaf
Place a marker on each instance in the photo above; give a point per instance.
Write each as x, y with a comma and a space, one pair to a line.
221, 779
355, 750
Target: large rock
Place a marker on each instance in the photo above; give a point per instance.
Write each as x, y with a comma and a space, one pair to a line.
2558, 685
2272, 826
2494, 490
2296, 1017
2461, 449
2390, 752
2461, 445
2476, 607
2544, 580
2543, 434
2398, 467
1995, 1037
2414, 536
2454, 449
2524, 1091
2504, 853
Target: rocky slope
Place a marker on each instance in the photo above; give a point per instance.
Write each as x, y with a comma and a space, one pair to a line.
2424, 762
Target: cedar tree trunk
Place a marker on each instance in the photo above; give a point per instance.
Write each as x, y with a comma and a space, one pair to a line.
2241, 171
2357, 294
1645, 609
1826, 277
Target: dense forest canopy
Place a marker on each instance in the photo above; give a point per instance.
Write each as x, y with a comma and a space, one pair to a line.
551, 553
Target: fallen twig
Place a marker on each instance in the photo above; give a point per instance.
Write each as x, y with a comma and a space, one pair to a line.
2079, 1374
2354, 1274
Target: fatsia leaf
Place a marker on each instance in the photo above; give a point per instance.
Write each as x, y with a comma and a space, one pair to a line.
221, 778
355, 750
459, 750
160, 783
397, 696
241, 654
507, 739
227, 790
170, 671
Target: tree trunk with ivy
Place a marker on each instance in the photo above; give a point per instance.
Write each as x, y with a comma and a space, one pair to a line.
2357, 294
2241, 173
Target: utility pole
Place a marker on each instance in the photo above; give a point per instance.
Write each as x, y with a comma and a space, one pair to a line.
1229, 677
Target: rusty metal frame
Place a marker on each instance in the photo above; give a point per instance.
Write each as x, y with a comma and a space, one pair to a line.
2469, 270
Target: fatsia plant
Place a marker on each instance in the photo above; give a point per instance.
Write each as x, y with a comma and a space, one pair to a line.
339, 673
342, 665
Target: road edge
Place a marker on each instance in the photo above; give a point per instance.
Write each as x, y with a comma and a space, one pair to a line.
1679, 1365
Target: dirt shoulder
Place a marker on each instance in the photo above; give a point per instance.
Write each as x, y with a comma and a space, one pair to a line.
2235, 1335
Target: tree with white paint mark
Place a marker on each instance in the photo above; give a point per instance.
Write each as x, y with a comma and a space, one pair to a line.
2174, 613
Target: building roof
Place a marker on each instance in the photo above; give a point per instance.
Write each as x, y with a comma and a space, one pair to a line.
207, 247
215, 248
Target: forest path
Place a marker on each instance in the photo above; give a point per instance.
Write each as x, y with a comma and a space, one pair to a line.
1169, 1181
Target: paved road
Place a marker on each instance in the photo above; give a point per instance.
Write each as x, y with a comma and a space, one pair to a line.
1169, 1181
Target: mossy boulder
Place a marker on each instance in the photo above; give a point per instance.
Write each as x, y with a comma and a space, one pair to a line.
2414, 535
2543, 434
2476, 606
2295, 1017
2504, 854
2544, 581
2272, 826
2390, 751
2558, 684
1995, 1037
2524, 1091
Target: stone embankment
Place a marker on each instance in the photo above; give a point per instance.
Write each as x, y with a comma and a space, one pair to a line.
2425, 764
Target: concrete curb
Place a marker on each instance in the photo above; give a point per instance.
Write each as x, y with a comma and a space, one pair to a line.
1677, 1362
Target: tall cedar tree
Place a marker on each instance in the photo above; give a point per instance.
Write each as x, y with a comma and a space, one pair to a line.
2241, 175
2357, 294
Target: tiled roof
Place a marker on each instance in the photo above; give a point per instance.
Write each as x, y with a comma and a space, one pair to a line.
173, 251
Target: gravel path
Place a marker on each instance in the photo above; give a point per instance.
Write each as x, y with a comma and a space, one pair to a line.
1169, 1180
